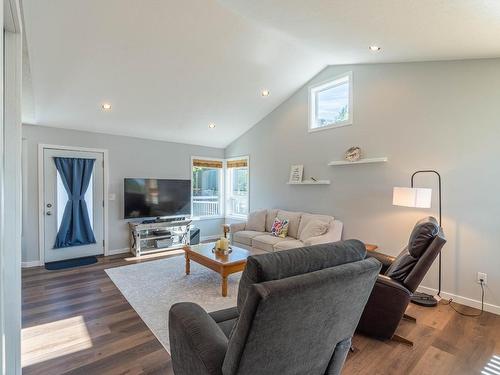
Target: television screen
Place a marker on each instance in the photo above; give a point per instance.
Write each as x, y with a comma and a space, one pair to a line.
149, 197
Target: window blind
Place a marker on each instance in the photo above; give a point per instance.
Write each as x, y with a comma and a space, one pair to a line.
237, 163
207, 163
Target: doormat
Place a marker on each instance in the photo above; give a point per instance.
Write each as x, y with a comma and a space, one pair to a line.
69, 263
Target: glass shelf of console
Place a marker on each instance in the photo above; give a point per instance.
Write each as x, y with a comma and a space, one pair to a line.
160, 236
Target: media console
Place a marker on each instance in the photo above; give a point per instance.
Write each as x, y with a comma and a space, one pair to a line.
153, 237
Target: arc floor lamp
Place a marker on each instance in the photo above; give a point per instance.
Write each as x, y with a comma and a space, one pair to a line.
420, 198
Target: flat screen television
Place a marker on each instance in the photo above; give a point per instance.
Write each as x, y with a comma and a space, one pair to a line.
150, 197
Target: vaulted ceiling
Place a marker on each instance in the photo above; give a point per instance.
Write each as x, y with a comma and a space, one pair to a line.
171, 67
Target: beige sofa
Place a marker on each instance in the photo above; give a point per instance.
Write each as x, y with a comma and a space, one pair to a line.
256, 235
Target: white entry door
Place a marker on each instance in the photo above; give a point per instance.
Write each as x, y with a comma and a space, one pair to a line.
56, 197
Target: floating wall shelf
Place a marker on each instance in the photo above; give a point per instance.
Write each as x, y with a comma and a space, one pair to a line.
361, 161
310, 182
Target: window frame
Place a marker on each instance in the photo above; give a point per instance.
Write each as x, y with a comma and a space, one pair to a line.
221, 189
325, 85
227, 187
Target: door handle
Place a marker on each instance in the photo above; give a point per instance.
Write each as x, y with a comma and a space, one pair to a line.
49, 213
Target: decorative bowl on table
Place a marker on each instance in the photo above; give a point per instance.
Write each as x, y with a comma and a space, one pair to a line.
222, 251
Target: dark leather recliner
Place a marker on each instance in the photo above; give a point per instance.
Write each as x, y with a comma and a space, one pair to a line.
297, 311
399, 279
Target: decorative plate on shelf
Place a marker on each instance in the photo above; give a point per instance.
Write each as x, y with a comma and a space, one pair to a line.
353, 154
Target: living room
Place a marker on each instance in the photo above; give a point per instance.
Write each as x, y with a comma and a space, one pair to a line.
183, 175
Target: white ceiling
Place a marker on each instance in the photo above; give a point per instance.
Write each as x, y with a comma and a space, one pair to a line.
171, 67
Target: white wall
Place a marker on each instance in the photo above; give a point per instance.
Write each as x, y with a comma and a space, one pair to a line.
128, 157
10, 187
439, 115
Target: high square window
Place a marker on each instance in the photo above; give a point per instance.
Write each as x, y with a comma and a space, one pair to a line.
330, 103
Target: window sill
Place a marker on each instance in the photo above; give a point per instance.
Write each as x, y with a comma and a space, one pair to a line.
333, 126
202, 218
237, 217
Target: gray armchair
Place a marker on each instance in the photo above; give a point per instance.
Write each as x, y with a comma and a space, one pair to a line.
296, 313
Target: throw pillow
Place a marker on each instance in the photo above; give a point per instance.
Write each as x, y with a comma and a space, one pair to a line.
313, 229
280, 228
256, 221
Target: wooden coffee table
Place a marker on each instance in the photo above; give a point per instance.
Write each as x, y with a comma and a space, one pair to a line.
222, 264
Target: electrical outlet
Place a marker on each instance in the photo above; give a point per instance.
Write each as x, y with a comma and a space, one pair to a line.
482, 276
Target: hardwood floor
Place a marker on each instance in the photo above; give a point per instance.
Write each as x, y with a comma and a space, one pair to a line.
77, 322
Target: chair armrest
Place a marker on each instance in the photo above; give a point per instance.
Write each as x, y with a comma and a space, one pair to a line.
338, 358
226, 314
197, 344
237, 227
386, 260
385, 308
394, 286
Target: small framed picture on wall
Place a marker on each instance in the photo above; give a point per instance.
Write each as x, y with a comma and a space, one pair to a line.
296, 172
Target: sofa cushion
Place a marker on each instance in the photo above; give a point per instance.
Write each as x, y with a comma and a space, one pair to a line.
282, 264
307, 218
271, 215
267, 241
245, 236
314, 228
293, 221
288, 244
257, 221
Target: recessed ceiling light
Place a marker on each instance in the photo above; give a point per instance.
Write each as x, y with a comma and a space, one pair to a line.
106, 106
211, 125
265, 93
374, 48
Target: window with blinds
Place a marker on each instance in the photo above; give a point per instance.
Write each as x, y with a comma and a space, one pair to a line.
220, 187
237, 187
207, 183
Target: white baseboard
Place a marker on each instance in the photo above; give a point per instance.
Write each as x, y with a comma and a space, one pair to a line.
209, 238
33, 263
462, 300
118, 251
38, 263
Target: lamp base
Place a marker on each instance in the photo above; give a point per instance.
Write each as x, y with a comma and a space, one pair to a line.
423, 299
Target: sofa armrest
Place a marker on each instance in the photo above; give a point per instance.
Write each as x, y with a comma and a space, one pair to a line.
334, 234
197, 344
385, 259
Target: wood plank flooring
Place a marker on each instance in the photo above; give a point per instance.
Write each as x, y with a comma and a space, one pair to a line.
77, 322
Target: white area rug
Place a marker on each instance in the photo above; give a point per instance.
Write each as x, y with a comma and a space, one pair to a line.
152, 287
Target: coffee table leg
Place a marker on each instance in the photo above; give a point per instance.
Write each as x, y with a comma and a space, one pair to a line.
188, 264
224, 286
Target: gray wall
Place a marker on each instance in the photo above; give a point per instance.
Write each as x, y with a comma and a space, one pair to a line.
128, 157
440, 115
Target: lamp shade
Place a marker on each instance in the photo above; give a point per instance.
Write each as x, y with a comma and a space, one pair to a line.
412, 197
